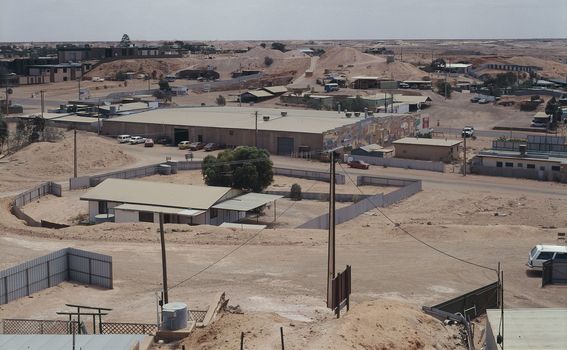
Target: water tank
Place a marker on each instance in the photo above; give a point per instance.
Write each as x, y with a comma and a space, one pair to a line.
174, 166
164, 169
174, 316
100, 218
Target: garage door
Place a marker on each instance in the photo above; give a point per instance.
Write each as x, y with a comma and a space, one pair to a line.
285, 146
180, 135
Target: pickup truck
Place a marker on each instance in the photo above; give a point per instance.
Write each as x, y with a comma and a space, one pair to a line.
468, 131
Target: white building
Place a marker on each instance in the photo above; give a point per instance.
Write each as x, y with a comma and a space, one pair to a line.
144, 201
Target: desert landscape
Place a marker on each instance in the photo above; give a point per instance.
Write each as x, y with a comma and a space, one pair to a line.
447, 239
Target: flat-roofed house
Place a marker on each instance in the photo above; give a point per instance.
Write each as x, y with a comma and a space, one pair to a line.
144, 201
427, 149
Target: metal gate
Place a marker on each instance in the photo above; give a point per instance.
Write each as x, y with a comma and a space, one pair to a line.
285, 146
180, 135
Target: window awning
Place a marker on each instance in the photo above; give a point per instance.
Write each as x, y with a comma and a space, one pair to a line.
160, 210
247, 202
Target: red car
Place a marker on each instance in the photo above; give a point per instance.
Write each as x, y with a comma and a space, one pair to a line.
358, 164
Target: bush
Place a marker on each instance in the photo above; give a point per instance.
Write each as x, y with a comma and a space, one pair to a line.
221, 101
268, 61
295, 193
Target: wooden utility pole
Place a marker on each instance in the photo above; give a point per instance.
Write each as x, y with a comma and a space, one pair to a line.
79, 92
42, 103
75, 152
331, 243
163, 260
465, 155
256, 129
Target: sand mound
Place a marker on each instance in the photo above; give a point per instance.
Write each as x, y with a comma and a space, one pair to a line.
336, 56
376, 325
55, 159
260, 52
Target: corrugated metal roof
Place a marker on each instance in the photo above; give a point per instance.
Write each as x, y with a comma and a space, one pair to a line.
158, 209
374, 147
259, 93
65, 341
296, 120
276, 89
427, 142
156, 193
247, 201
411, 99
530, 328
126, 107
458, 65
363, 78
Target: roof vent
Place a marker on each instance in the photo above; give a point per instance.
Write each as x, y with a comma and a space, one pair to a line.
283, 113
266, 118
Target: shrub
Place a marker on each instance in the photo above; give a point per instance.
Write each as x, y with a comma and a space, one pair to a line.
268, 61
221, 101
295, 193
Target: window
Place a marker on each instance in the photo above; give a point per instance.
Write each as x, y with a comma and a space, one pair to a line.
64, 70
499, 164
509, 165
545, 256
561, 256
103, 207
520, 165
542, 168
214, 213
555, 168
145, 216
530, 166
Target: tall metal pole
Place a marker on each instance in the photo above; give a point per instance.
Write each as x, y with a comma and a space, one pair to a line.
163, 260
331, 243
79, 92
75, 152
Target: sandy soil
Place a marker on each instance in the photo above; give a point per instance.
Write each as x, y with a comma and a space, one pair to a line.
53, 161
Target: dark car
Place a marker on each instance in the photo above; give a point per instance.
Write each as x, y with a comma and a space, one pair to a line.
358, 164
211, 147
195, 146
475, 99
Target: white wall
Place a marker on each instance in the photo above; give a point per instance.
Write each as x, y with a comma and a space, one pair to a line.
121, 216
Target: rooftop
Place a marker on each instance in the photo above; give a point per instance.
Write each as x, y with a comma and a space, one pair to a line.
276, 89
305, 121
427, 142
458, 65
66, 341
541, 157
411, 99
531, 328
157, 194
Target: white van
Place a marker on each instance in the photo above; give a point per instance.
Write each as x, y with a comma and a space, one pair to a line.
542, 252
123, 138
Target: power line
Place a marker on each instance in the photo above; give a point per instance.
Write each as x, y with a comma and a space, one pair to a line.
235, 249
413, 236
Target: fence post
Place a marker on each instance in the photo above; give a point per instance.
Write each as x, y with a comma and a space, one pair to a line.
90, 271
6, 290
281, 334
241, 340
48, 274
27, 282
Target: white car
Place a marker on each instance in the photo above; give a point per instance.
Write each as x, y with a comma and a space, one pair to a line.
542, 252
123, 138
468, 131
98, 79
137, 139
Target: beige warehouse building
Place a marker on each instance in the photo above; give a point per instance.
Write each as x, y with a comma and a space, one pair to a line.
427, 149
280, 131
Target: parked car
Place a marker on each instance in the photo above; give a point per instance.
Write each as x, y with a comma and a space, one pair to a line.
538, 125
134, 140
184, 144
164, 140
404, 86
468, 131
358, 164
123, 138
483, 101
195, 146
542, 252
475, 99
149, 143
211, 147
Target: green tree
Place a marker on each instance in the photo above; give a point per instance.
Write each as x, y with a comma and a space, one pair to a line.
443, 88
246, 168
221, 101
551, 106
164, 85
295, 193
278, 46
263, 45
125, 42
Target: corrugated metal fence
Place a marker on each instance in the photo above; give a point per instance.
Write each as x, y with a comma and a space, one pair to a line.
554, 272
409, 188
31, 195
472, 304
307, 174
67, 264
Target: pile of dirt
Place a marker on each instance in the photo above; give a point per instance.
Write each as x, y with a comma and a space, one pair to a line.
260, 52
162, 67
54, 160
379, 324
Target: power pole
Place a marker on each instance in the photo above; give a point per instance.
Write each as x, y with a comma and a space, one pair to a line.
331, 243
42, 102
256, 129
163, 260
465, 155
79, 92
75, 152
